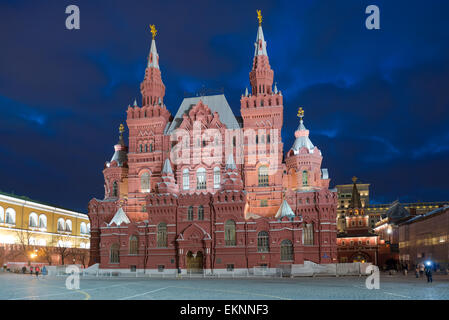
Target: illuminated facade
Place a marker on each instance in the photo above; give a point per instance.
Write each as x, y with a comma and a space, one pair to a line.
29, 228
175, 201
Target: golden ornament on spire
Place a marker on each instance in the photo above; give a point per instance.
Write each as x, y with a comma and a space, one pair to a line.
354, 179
121, 128
153, 30
259, 17
301, 112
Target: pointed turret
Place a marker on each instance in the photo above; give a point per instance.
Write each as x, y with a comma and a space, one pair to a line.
302, 136
355, 203
121, 151
168, 184
261, 76
231, 178
152, 87
285, 211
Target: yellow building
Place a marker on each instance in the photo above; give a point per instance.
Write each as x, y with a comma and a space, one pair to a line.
344, 194
26, 224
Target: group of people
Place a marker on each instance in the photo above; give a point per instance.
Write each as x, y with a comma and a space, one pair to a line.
426, 268
36, 270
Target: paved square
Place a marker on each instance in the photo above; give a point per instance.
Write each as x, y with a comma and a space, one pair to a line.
398, 287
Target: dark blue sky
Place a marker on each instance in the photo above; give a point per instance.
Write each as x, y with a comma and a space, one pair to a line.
376, 101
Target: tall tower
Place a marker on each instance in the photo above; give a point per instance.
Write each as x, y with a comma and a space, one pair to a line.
148, 147
357, 221
262, 113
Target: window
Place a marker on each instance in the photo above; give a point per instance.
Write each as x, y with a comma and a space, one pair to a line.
308, 234
2, 215
114, 256
61, 224
305, 177
263, 176
367, 242
43, 221
200, 213
83, 228
146, 148
141, 148
68, 226
216, 177
10, 216
162, 235
88, 228
263, 242
185, 179
151, 147
115, 189
32, 220
160, 268
190, 213
145, 182
230, 233
133, 244
201, 179
133, 268
286, 250
229, 267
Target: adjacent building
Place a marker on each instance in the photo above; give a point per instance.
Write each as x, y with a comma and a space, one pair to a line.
34, 232
425, 237
344, 194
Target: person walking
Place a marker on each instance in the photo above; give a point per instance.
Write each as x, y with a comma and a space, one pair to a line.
37, 272
421, 269
417, 271
429, 273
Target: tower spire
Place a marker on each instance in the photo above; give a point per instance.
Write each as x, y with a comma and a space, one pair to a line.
261, 76
152, 87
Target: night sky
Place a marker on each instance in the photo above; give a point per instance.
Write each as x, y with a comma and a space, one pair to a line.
376, 101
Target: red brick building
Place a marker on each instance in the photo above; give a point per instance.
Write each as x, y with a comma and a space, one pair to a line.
205, 190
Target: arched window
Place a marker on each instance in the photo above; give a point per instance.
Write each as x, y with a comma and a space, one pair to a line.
43, 221
201, 178
10, 216
145, 182
83, 228
185, 179
114, 256
88, 228
146, 147
32, 220
286, 250
68, 226
162, 235
230, 233
263, 176
305, 178
133, 244
263, 244
115, 189
200, 213
217, 177
151, 147
2, 215
61, 224
190, 213
308, 234
141, 148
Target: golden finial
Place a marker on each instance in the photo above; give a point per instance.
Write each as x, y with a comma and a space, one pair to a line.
354, 179
153, 30
301, 112
121, 128
259, 17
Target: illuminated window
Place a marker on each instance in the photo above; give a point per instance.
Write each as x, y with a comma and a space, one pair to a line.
114, 256
68, 226
286, 250
308, 234
216, 177
10, 216
145, 182
201, 179
230, 233
263, 176
83, 228
61, 224
185, 179
43, 221
2, 215
263, 244
305, 177
32, 220
162, 234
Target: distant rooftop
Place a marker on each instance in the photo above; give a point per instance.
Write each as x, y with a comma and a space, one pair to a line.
25, 198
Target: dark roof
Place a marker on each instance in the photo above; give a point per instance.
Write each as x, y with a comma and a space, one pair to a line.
39, 202
396, 212
422, 216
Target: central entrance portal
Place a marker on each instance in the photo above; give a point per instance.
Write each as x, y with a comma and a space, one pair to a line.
194, 262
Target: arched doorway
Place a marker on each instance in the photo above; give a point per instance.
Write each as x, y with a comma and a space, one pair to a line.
194, 262
360, 257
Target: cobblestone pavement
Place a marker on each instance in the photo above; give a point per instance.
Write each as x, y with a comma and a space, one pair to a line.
398, 287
